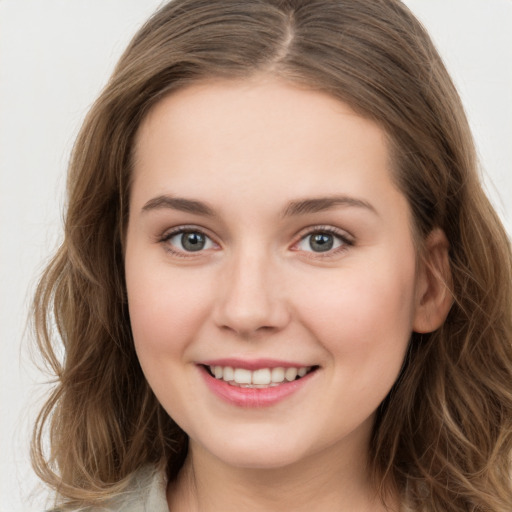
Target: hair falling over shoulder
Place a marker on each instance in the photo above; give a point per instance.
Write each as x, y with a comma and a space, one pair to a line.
443, 436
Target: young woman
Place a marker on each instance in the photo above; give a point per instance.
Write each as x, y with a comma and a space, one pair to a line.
281, 285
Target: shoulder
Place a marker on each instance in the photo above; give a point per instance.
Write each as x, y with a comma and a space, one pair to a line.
146, 493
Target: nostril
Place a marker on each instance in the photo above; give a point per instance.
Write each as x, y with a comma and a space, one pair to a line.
248, 307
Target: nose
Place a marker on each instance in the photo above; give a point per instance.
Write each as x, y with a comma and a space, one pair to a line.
250, 299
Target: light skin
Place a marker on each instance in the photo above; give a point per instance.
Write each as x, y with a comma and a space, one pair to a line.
306, 254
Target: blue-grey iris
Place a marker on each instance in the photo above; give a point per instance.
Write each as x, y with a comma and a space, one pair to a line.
321, 242
193, 241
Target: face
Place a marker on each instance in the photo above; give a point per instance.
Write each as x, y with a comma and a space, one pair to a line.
270, 268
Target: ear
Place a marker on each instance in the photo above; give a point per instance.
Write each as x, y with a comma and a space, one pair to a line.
433, 296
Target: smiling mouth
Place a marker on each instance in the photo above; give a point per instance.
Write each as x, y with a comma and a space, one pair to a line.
260, 378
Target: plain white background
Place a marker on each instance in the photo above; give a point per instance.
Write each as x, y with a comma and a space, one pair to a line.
55, 56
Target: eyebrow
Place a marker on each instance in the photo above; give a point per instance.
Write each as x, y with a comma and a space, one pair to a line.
320, 204
179, 203
293, 208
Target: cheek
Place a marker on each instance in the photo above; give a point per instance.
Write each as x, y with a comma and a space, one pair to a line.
166, 309
364, 314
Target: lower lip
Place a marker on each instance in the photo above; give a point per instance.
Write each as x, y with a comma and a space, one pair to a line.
253, 397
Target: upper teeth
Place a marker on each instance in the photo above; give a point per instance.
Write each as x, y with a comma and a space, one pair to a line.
262, 376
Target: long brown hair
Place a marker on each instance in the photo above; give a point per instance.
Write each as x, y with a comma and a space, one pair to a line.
443, 436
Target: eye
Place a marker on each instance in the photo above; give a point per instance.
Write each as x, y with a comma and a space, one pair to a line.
322, 241
188, 240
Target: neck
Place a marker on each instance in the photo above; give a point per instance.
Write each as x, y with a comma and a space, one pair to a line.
325, 481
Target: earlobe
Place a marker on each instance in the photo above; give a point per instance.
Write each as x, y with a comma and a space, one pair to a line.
434, 297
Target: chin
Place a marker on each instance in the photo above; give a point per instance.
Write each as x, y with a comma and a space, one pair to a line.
249, 453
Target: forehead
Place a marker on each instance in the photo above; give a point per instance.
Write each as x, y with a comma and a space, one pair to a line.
266, 136
254, 104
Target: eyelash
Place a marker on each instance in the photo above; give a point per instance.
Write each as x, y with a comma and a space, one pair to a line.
180, 231
344, 239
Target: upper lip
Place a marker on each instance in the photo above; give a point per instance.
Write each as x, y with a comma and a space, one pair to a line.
253, 364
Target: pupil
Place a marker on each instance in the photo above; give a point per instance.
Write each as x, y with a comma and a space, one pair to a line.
321, 242
193, 241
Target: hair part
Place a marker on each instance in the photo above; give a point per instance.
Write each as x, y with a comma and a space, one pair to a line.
443, 436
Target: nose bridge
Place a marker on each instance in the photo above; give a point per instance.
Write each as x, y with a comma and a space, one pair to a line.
250, 298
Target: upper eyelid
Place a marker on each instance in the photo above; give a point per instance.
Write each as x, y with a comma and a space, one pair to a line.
341, 233
170, 232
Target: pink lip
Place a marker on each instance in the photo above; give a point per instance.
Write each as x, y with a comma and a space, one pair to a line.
252, 397
254, 364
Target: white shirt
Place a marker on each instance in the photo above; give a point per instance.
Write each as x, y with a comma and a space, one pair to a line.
146, 493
